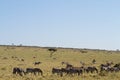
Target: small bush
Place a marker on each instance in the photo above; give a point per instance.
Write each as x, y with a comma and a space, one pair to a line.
3, 68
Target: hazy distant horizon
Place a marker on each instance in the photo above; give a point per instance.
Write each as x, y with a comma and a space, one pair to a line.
22, 45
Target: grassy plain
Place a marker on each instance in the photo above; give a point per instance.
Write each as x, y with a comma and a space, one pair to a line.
73, 56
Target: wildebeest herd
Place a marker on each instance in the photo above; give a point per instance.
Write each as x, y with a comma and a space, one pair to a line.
70, 69
22, 72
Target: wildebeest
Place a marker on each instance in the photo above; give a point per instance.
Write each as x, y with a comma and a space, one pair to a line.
18, 71
113, 69
72, 70
65, 70
117, 65
34, 71
57, 71
37, 63
91, 69
105, 67
75, 70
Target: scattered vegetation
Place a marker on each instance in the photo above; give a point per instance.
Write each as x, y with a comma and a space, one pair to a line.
26, 57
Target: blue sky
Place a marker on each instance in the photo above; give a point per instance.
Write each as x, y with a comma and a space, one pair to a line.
61, 23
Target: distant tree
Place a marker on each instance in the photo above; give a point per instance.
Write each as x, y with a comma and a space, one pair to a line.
52, 50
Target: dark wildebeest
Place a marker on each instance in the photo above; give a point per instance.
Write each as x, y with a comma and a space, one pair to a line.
105, 67
37, 63
19, 71
34, 70
75, 70
91, 69
57, 71
70, 69
115, 68
65, 70
117, 65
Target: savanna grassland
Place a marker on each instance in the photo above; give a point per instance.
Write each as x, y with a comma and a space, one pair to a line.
24, 57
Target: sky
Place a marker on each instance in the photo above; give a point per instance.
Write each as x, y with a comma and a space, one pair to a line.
93, 24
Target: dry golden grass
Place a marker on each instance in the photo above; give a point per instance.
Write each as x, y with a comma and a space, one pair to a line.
73, 56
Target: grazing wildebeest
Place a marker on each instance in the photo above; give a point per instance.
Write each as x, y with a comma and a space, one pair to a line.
105, 67
91, 69
65, 70
37, 63
34, 70
113, 69
19, 71
70, 69
75, 70
58, 71
117, 65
